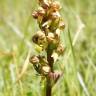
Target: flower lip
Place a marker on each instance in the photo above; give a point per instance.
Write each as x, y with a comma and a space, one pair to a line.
46, 69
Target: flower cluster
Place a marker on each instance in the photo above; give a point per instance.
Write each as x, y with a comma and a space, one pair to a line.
48, 38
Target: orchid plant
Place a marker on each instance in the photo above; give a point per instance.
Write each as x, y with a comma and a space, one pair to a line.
48, 40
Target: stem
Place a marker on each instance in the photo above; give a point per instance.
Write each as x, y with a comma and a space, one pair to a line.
48, 80
48, 87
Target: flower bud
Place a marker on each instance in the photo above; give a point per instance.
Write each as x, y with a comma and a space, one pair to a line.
44, 3
39, 38
34, 59
41, 11
61, 25
55, 15
54, 25
39, 14
35, 38
50, 37
35, 14
60, 49
53, 40
55, 6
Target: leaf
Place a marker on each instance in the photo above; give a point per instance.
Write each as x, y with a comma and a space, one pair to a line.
25, 66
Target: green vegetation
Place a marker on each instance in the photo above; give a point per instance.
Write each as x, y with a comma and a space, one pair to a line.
78, 63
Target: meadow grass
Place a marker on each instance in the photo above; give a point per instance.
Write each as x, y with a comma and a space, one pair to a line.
78, 63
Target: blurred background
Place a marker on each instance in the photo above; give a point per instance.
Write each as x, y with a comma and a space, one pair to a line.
78, 63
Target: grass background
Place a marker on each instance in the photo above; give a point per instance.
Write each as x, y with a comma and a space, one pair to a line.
78, 64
